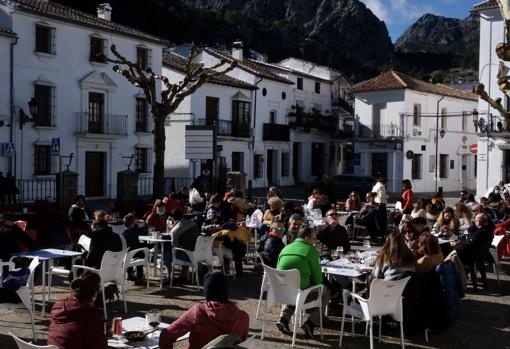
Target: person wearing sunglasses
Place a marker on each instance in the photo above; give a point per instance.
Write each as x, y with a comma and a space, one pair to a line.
332, 236
271, 244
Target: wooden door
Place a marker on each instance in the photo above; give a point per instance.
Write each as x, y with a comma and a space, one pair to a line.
94, 173
212, 109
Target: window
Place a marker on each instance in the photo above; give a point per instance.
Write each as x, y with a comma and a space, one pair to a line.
237, 161
285, 164
45, 96
42, 160
241, 112
299, 83
143, 56
416, 166
258, 166
443, 166
416, 115
452, 164
432, 163
272, 117
142, 160
443, 117
317, 87
97, 49
142, 124
44, 39
464, 121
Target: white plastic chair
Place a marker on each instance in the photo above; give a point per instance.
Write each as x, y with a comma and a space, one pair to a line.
202, 253
358, 230
24, 345
223, 252
111, 270
284, 288
493, 250
385, 299
25, 293
264, 287
133, 262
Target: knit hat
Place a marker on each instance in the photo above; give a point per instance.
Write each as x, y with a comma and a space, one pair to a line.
216, 287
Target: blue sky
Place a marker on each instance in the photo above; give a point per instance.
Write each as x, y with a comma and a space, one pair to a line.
400, 14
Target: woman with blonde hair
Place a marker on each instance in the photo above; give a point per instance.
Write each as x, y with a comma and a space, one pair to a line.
447, 224
395, 260
274, 212
465, 216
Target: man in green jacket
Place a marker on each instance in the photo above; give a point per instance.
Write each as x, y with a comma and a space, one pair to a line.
303, 256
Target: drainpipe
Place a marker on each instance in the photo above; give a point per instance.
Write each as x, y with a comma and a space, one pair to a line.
437, 136
12, 163
253, 135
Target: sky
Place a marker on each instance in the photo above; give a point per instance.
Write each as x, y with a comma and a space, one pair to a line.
400, 14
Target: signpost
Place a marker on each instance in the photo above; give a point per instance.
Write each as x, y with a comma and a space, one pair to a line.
55, 146
474, 148
199, 142
9, 149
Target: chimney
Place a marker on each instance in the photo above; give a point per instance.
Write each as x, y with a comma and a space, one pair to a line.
104, 11
237, 50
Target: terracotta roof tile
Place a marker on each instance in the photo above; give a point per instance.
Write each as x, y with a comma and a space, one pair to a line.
485, 5
178, 62
53, 10
249, 66
392, 80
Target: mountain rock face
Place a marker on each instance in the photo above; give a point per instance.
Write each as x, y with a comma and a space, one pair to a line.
345, 25
438, 35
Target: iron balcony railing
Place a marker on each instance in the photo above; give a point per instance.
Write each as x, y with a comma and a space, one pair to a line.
104, 124
307, 121
276, 132
379, 131
31, 190
228, 128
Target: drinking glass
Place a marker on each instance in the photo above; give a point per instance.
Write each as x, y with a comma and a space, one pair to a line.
334, 255
340, 251
153, 318
366, 243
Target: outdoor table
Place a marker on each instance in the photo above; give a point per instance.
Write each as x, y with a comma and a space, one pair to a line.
47, 256
157, 241
139, 324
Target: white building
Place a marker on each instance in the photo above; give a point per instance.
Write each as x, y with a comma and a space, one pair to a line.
395, 133
7, 40
493, 141
97, 115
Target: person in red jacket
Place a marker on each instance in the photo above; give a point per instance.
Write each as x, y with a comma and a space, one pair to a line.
158, 216
206, 321
172, 203
407, 196
75, 321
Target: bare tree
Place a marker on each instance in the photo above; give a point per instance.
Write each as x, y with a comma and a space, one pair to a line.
503, 53
172, 94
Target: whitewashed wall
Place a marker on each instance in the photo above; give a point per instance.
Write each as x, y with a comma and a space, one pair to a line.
5, 43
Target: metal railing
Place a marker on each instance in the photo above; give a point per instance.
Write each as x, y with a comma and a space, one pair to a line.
379, 131
228, 128
276, 132
31, 190
146, 184
105, 124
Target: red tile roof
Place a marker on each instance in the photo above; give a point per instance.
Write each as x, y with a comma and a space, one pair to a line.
392, 80
249, 66
67, 14
485, 5
178, 62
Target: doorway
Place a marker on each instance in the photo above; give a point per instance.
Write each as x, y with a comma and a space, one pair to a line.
295, 161
212, 110
272, 167
380, 165
318, 159
94, 173
506, 164
465, 174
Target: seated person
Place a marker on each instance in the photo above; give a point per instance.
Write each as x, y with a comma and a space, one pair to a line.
420, 225
313, 201
271, 244
102, 239
235, 238
79, 213
395, 260
206, 321
240, 206
172, 203
211, 224
158, 216
11, 236
295, 223
332, 236
196, 201
353, 203
215, 206
75, 321
303, 256
131, 234
429, 252
411, 237
446, 225
274, 212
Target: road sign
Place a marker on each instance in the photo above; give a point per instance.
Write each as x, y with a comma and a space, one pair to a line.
474, 148
199, 142
9, 149
55, 146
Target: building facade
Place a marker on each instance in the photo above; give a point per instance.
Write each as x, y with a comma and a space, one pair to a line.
410, 129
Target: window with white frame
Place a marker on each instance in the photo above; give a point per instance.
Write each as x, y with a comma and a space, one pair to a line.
416, 166
42, 160
45, 96
97, 49
142, 160
285, 164
142, 115
258, 166
143, 56
45, 39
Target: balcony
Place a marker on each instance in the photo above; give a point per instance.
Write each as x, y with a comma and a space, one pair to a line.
276, 132
328, 124
227, 128
380, 131
105, 124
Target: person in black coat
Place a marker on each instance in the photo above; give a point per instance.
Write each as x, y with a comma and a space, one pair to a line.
79, 213
3, 187
132, 234
102, 239
333, 235
271, 244
10, 238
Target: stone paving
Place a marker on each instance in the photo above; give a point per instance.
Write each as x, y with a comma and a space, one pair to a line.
485, 321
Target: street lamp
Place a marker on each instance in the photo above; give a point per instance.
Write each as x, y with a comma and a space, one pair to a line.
442, 133
33, 109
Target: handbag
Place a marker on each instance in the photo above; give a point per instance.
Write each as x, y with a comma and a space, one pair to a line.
14, 279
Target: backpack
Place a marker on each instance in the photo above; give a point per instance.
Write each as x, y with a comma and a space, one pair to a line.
14, 279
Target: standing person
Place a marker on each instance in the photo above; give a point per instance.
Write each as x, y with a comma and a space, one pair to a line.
79, 213
206, 321
381, 200
3, 186
407, 196
332, 236
75, 321
303, 256
11, 189
271, 244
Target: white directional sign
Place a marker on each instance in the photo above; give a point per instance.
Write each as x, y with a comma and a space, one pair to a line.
199, 142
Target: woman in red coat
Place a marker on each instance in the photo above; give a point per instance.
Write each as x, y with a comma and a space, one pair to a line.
407, 196
75, 321
206, 321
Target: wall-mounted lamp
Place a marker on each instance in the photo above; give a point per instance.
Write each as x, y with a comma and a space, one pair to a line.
33, 108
